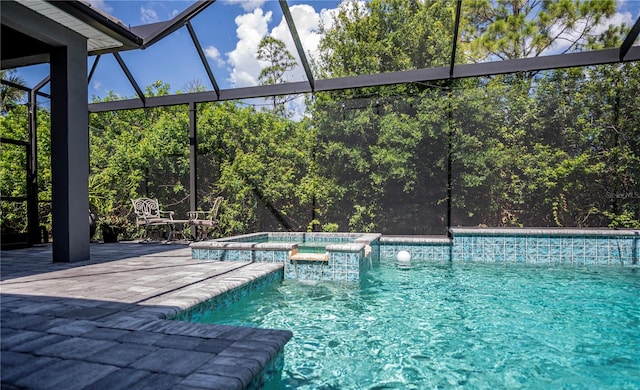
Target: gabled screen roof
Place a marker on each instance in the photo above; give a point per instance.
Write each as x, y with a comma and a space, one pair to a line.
211, 46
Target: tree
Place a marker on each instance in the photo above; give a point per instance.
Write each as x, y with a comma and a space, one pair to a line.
511, 29
387, 147
279, 60
387, 35
533, 162
14, 125
384, 147
591, 124
136, 153
9, 95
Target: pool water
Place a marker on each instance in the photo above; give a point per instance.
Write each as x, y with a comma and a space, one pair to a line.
454, 325
311, 248
305, 246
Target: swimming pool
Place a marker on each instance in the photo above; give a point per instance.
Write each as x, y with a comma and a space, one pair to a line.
454, 325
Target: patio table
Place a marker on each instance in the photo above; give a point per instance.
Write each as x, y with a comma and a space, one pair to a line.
176, 228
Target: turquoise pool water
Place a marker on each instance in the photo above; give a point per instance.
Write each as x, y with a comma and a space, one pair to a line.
308, 246
455, 325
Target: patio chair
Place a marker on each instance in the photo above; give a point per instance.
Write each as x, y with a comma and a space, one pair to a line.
149, 215
205, 221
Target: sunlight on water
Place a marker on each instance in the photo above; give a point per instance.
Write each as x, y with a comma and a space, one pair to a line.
456, 326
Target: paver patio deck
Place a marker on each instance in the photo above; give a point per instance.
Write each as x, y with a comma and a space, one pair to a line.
101, 324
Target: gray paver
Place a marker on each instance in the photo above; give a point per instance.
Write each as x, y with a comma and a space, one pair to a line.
179, 342
99, 324
14, 339
17, 365
157, 381
263, 357
67, 374
73, 328
23, 322
208, 381
144, 338
124, 379
48, 323
38, 308
40, 342
89, 313
214, 346
121, 355
267, 346
107, 334
75, 348
172, 361
232, 361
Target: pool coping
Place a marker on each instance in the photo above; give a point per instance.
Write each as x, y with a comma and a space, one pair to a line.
545, 231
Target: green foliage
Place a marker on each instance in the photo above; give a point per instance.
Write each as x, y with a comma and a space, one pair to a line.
383, 35
387, 147
13, 173
509, 29
10, 97
555, 148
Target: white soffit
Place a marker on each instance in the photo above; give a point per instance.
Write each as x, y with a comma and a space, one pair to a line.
96, 40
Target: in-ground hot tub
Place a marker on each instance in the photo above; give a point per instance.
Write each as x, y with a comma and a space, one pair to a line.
306, 256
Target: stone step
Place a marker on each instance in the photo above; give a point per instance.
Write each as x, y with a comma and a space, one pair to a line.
310, 257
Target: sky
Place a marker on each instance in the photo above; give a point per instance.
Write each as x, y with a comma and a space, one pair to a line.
229, 32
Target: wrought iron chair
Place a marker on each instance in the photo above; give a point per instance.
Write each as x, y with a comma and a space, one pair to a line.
205, 221
149, 215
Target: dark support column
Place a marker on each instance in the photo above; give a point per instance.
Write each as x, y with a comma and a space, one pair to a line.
193, 157
70, 151
33, 227
33, 222
449, 156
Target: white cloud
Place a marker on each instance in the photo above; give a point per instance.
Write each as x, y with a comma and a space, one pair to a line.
148, 15
244, 66
97, 85
616, 19
247, 5
213, 53
567, 37
307, 23
252, 27
328, 17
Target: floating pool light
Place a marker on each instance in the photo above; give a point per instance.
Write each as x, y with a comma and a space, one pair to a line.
404, 257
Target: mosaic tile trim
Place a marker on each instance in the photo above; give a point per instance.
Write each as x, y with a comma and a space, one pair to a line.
540, 246
545, 232
194, 313
271, 256
308, 270
539, 249
438, 251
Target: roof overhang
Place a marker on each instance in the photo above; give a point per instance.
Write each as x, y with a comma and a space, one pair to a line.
104, 33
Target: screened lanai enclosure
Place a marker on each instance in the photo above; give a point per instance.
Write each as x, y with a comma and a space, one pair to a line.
507, 151
397, 117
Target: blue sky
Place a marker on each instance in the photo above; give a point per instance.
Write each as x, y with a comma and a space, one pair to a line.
229, 32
